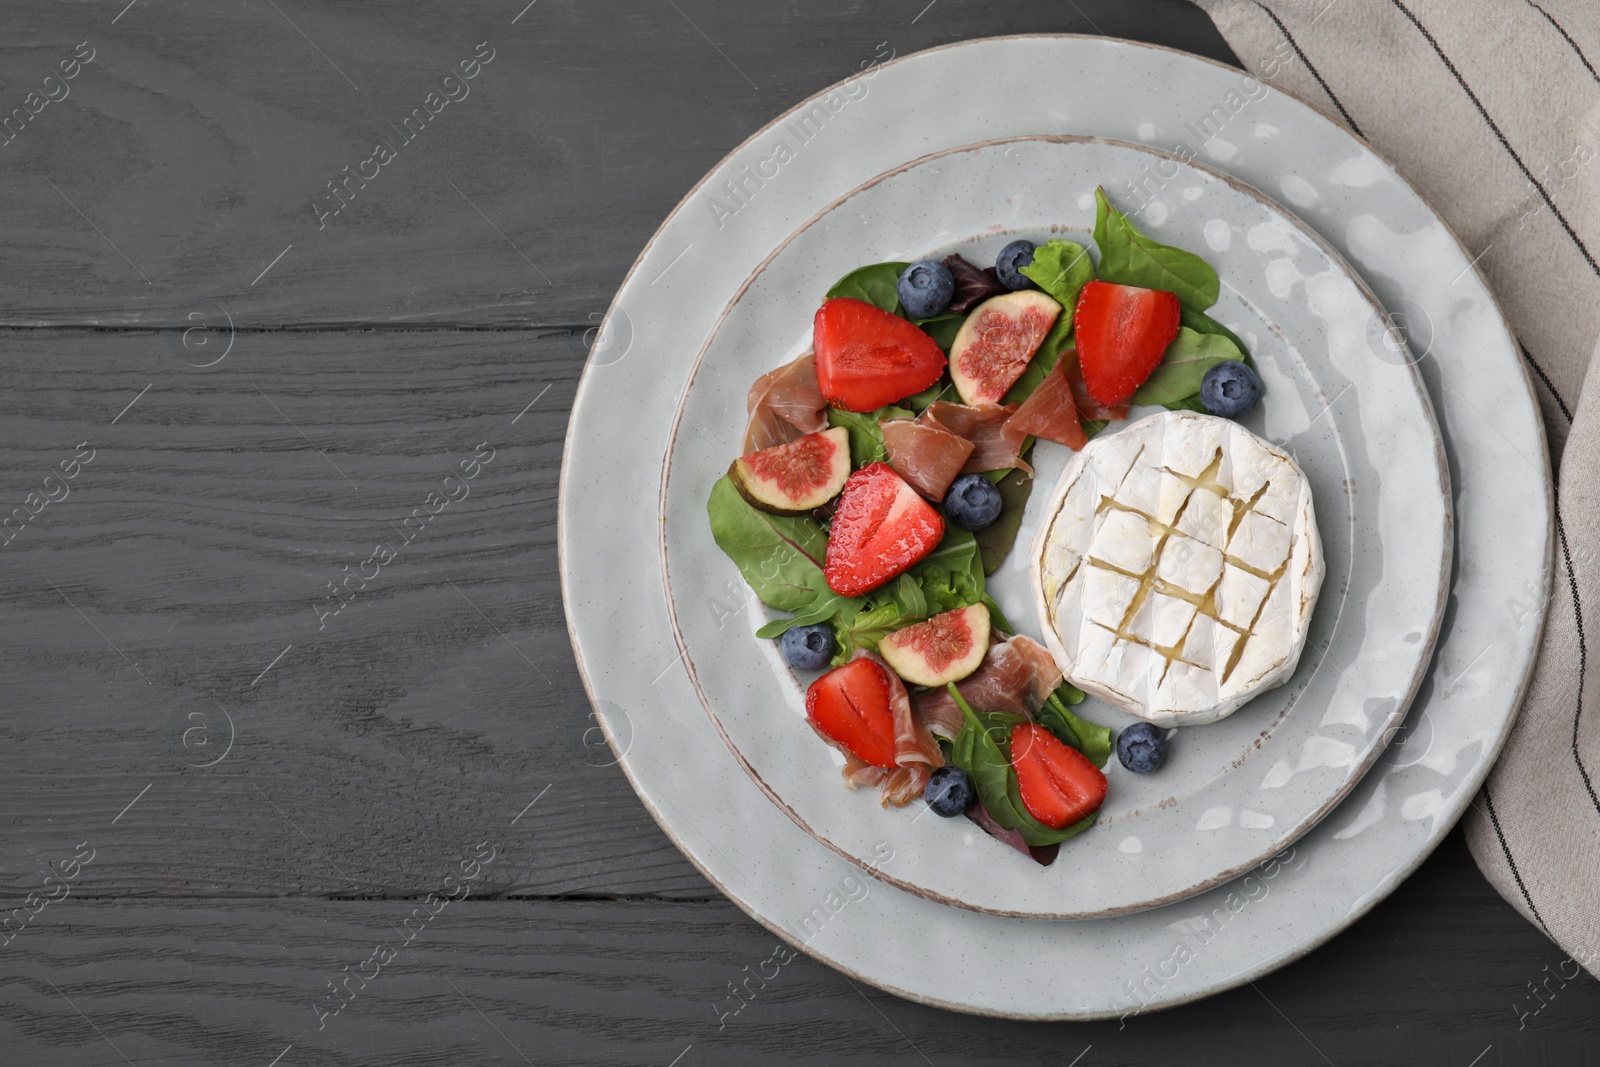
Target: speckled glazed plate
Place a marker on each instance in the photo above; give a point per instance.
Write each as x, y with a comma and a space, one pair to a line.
1340, 394
804, 891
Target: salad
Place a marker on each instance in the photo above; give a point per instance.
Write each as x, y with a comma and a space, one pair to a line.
884, 478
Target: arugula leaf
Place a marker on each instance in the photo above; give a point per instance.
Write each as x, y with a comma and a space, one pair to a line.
780, 556
1183, 366
1061, 269
1128, 257
1200, 322
996, 539
1092, 739
877, 284
866, 438
950, 577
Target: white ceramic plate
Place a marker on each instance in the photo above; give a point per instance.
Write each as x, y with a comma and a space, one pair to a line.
1235, 792
796, 886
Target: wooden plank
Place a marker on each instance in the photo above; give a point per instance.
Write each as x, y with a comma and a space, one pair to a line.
186, 157
197, 544
1430, 977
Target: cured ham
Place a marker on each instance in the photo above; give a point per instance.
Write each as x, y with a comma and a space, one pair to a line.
785, 404
925, 454
1050, 412
916, 753
983, 425
1060, 405
1017, 676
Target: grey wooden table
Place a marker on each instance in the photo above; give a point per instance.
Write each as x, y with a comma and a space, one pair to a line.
241, 745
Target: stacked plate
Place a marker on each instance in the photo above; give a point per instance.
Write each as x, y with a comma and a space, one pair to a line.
1383, 355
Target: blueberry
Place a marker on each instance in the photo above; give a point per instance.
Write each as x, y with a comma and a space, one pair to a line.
925, 288
973, 502
807, 648
1142, 748
1009, 263
950, 791
1230, 389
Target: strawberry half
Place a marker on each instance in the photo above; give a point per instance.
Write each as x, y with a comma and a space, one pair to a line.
1123, 331
867, 358
850, 706
881, 527
1059, 785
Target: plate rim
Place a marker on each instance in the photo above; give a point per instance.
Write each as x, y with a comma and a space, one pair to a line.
1395, 717
1272, 961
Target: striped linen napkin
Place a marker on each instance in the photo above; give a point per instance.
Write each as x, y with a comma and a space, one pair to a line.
1491, 108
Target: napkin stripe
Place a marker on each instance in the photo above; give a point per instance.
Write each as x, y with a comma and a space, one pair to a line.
1287, 36
1562, 31
1494, 820
1450, 65
1548, 384
1583, 660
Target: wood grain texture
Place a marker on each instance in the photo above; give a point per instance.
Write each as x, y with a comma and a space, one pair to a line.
199, 543
1430, 977
202, 133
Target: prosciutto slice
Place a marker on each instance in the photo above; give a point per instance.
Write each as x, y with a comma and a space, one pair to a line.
925, 454
983, 425
1017, 676
916, 753
785, 404
1051, 412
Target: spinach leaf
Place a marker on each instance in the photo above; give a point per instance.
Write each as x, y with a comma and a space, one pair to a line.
866, 439
780, 556
976, 751
1200, 322
1061, 269
1183, 366
997, 618
939, 390
942, 328
877, 284
996, 539
1092, 739
1128, 257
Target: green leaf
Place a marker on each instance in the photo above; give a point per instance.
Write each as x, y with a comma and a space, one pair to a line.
942, 328
939, 390
780, 556
1183, 366
1061, 268
952, 575
1128, 257
876, 284
1200, 322
997, 618
976, 752
1092, 739
996, 539
866, 438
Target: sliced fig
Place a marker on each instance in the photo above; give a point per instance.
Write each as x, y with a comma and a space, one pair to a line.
795, 478
944, 649
994, 345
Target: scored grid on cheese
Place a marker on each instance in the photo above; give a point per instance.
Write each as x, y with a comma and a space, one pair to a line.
1178, 573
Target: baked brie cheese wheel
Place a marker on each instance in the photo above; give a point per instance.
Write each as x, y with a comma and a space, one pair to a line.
1177, 567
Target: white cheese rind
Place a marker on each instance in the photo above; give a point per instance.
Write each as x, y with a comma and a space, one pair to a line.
1177, 568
